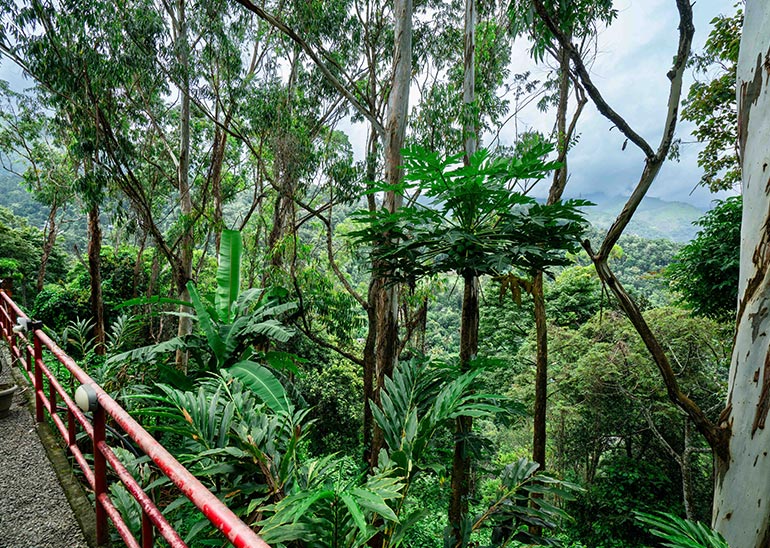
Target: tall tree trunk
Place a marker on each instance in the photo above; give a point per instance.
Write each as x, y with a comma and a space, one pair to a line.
469, 324
541, 324
371, 315
138, 263
215, 176
688, 496
184, 267
541, 372
387, 295
461, 460
742, 490
469, 81
48, 244
95, 273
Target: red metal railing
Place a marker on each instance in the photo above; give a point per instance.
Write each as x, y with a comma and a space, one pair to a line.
29, 354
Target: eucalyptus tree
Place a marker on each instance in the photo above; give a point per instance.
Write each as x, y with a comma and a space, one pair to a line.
389, 125
714, 434
463, 63
740, 500
139, 80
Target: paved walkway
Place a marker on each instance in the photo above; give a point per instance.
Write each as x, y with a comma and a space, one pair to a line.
34, 513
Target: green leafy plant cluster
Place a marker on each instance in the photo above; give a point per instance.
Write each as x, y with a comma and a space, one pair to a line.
469, 219
705, 271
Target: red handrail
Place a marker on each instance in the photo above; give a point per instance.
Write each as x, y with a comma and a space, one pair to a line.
29, 354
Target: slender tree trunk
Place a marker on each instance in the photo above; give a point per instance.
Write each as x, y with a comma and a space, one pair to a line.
688, 496
470, 139
283, 215
184, 267
461, 460
48, 244
95, 273
387, 295
138, 270
469, 324
215, 176
539, 437
742, 490
541, 372
371, 315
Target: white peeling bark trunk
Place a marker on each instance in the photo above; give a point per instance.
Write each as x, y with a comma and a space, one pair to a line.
469, 81
742, 491
387, 296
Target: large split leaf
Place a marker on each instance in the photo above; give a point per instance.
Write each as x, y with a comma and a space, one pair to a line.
263, 383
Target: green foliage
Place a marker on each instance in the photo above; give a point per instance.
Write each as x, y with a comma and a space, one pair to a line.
473, 223
329, 510
639, 263
21, 248
712, 106
233, 345
333, 394
510, 512
77, 336
56, 306
574, 296
239, 326
124, 277
243, 449
228, 274
705, 271
680, 533
609, 413
604, 513
576, 18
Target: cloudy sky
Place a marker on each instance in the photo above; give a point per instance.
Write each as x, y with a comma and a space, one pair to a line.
633, 57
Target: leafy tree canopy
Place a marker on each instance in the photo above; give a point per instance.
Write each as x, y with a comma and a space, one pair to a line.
712, 106
705, 271
469, 220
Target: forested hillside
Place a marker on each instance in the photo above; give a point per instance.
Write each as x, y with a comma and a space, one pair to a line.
300, 243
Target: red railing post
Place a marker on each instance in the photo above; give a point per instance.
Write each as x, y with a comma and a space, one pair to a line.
14, 337
71, 434
52, 399
39, 407
3, 320
100, 477
91, 397
147, 531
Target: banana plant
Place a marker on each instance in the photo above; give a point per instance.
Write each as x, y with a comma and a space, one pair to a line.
235, 330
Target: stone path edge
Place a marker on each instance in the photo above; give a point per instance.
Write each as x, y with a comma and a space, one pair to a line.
73, 490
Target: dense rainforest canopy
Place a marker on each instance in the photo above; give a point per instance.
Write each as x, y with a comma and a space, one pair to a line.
320, 251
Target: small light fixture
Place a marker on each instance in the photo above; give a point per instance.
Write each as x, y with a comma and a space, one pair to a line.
22, 325
25, 325
86, 398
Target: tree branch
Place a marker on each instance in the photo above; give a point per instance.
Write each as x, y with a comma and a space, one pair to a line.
316, 58
585, 77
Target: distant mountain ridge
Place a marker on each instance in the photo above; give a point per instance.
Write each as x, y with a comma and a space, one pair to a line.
655, 218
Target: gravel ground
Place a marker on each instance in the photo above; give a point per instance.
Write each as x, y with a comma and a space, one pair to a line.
34, 512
